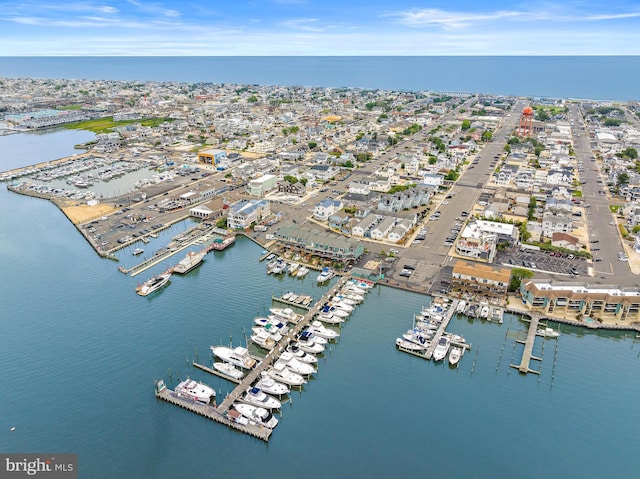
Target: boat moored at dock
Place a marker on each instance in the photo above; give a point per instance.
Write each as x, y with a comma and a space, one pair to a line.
237, 356
190, 262
228, 369
195, 391
257, 397
153, 284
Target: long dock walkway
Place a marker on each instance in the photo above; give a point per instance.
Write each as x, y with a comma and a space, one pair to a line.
213, 413
274, 354
527, 356
440, 331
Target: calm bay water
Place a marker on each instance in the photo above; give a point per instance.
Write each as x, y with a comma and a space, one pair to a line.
80, 352
594, 77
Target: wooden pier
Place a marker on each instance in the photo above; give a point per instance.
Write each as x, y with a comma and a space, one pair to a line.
274, 354
213, 413
527, 356
440, 331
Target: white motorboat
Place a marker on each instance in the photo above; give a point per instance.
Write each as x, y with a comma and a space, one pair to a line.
272, 324
153, 284
263, 338
339, 298
257, 397
258, 414
287, 295
298, 367
342, 305
484, 311
325, 275
278, 267
319, 329
300, 355
302, 272
195, 391
271, 386
362, 284
138, 251
455, 355
237, 356
309, 346
285, 314
293, 268
329, 318
461, 305
191, 261
350, 288
310, 335
411, 346
547, 333
441, 349
418, 336
282, 374
228, 370
329, 309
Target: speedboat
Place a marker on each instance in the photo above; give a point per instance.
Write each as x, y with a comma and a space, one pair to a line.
257, 397
484, 312
278, 267
272, 324
441, 349
271, 386
418, 336
330, 309
258, 414
195, 391
300, 355
137, 251
343, 306
153, 284
281, 373
293, 267
547, 333
325, 275
319, 329
237, 356
411, 346
461, 306
285, 314
455, 355
228, 370
298, 367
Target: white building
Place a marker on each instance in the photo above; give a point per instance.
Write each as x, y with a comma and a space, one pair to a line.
260, 186
243, 213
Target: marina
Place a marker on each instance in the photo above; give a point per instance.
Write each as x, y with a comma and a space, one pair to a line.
279, 357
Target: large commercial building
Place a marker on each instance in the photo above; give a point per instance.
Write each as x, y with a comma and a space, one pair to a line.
582, 302
326, 245
212, 156
243, 213
262, 185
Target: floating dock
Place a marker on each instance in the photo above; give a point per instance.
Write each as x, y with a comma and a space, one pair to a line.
277, 299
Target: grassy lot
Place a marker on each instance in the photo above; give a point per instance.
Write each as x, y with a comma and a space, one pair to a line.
107, 124
69, 107
550, 109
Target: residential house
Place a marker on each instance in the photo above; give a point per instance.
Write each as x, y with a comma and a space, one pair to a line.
243, 213
484, 280
564, 240
326, 208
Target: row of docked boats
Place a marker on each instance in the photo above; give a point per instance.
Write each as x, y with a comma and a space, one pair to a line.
296, 299
277, 266
481, 310
425, 331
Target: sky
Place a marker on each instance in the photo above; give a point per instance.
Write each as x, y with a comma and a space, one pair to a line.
318, 27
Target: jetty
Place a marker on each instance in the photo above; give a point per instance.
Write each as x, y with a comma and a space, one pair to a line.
215, 372
295, 303
441, 329
527, 355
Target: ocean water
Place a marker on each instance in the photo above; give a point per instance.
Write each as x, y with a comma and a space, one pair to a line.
81, 351
590, 77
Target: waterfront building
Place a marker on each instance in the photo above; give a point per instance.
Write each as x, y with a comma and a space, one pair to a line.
243, 213
304, 240
481, 279
211, 156
581, 301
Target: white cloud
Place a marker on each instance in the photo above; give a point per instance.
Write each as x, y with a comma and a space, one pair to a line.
449, 20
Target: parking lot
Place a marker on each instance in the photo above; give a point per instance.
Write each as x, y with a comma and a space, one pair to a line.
552, 262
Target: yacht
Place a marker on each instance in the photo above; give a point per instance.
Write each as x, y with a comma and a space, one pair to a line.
300, 355
298, 367
272, 324
285, 314
411, 346
310, 335
441, 349
282, 374
330, 309
237, 356
279, 266
153, 284
137, 251
308, 345
319, 329
190, 262
195, 391
258, 414
257, 397
325, 275
418, 336
228, 370
329, 318
461, 306
302, 272
455, 355
263, 338
293, 268
271, 386
484, 311
547, 333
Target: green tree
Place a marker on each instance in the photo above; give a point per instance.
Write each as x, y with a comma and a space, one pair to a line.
487, 135
531, 210
312, 145
507, 148
517, 275
538, 149
466, 124
304, 181
252, 99
222, 222
291, 179
348, 164
622, 180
